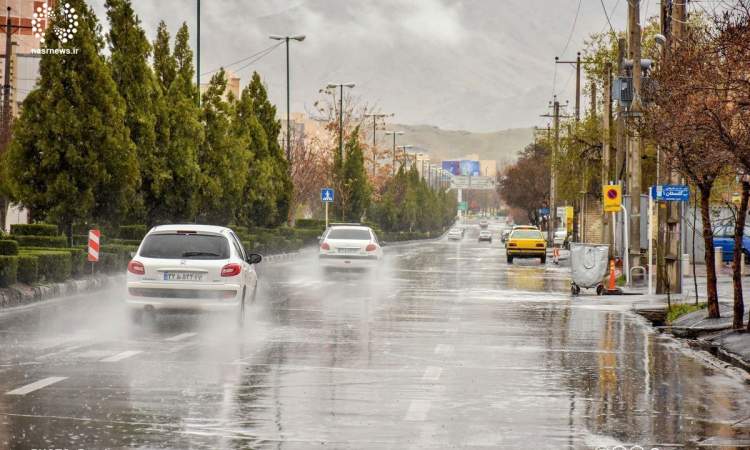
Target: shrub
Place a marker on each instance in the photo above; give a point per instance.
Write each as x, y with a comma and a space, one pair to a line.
130, 242
53, 265
310, 224
8, 270
108, 262
132, 232
309, 236
41, 241
34, 229
80, 239
28, 269
8, 247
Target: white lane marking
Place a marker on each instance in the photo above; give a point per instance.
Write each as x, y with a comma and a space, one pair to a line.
44, 382
60, 352
418, 410
180, 337
121, 356
432, 373
453, 319
443, 349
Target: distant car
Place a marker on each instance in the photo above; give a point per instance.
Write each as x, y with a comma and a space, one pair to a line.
349, 247
484, 223
485, 235
561, 237
191, 267
455, 234
724, 238
526, 242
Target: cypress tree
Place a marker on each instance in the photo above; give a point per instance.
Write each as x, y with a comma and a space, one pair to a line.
72, 155
355, 178
223, 157
129, 53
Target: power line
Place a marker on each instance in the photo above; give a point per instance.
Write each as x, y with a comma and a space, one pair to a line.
607, 15
573, 28
263, 52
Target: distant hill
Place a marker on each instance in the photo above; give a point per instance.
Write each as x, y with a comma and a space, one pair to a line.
440, 144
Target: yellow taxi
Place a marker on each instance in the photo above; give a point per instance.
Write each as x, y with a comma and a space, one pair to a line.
526, 241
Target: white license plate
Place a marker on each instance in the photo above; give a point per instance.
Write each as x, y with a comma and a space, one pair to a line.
348, 251
183, 276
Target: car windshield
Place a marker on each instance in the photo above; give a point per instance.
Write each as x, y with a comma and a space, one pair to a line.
353, 234
526, 234
185, 246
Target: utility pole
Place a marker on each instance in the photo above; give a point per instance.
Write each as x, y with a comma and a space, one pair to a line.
606, 156
198, 51
286, 39
375, 118
669, 278
553, 171
634, 139
7, 113
341, 87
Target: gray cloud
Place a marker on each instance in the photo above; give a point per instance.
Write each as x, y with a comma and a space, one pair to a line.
462, 64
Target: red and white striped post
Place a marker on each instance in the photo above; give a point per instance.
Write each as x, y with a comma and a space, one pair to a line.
94, 236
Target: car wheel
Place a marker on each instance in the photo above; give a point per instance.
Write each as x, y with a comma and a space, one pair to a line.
544, 259
510, 259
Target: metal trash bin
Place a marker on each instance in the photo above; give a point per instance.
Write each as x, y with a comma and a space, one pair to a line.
588, 266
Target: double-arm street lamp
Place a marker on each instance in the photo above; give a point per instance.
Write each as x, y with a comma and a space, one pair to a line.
341, 87
286, 39
394, 134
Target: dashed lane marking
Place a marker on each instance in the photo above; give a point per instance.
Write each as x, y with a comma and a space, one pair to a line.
443, 349
35, 386
121, 356
432, 373
180, 337
418, 410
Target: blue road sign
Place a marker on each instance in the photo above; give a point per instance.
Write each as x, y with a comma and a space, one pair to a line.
326, 195
544, 211
670, 192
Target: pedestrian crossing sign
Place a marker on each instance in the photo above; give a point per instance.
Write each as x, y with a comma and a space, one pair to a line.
326, 195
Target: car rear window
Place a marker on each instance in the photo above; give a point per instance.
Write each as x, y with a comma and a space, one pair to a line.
185, 246
349, 233
526, 234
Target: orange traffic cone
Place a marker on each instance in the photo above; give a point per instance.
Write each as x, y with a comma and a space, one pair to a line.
612, 280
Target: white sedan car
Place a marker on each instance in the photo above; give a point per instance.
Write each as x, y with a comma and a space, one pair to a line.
191, 267
349, 247
455, 234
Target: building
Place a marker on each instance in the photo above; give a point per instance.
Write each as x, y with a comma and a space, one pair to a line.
24, 64
233, 85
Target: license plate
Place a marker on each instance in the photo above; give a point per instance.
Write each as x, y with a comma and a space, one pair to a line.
183, 276
348, 251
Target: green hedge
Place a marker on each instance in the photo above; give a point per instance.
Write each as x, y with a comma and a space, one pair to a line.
78, 257
8, 247
41, 241
28, 269
34, 229
130, 242
8, 270
53, 265
132, 232
310, 223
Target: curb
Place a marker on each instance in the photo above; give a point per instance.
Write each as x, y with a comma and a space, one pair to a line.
23, 294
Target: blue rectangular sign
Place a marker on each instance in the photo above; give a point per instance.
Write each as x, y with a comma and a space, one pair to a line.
670, 192
326, 195
544, 211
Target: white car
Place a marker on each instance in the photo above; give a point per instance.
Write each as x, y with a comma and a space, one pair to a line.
191, 267
455, 234
349, 247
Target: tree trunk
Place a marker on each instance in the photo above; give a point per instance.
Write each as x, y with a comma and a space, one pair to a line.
710, 258
3, 212
739, 231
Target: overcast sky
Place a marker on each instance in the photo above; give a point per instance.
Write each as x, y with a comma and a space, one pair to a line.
478, 65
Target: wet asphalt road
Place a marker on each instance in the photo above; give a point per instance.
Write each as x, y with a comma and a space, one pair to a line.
446, 347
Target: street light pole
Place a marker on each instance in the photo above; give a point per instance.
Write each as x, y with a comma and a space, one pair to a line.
393, 162
405, 159
286, 39
341, 87
375, 118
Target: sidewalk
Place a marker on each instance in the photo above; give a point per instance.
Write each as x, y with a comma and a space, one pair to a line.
713, 335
